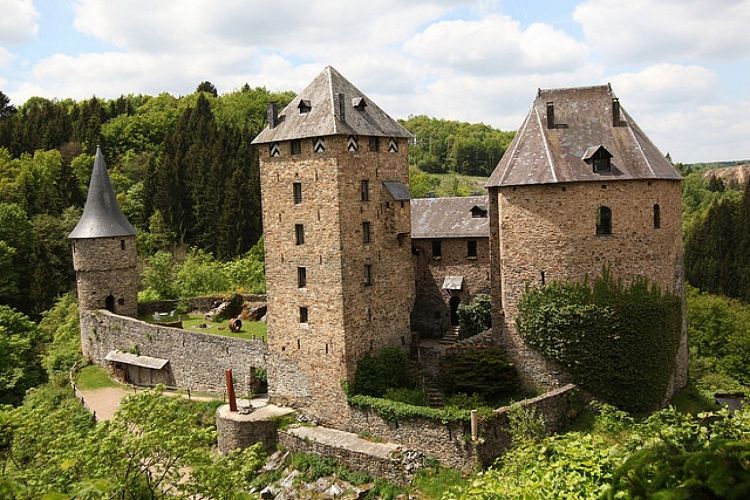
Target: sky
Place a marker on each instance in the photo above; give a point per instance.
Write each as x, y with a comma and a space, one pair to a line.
680, 67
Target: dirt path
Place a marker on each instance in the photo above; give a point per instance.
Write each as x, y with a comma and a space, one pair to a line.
104, 402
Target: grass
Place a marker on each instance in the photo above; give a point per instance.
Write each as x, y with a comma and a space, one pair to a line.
434, 482
251, 330
94, 377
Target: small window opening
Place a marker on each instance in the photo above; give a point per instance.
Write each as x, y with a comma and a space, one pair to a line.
296, 146
365, 232
121, 302
304, 106
364, 188
299, 344
478, 212
437, 249
604, 221
122, 244
471, 249
301, 277
541, 275
657, 216
369, 314
297, 190
299, 234
374, 143
109, 303
303, 315
368, 274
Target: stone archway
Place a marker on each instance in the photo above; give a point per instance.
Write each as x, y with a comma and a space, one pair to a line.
109, 303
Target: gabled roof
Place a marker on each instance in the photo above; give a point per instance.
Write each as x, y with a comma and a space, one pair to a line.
398, 190
448, 218
360, 115
584, 117
102, 217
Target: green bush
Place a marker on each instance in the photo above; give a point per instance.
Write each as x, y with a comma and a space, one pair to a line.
486, 372
409, 396
619, 342
475, 317
61, 324
393, 411
388, 369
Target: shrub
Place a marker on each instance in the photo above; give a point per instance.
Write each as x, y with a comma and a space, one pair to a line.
476, 316
525, 424
486, 372
388, 369
409, 396
619, 342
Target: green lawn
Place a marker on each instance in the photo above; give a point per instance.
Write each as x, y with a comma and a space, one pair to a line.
94, 377
250, 329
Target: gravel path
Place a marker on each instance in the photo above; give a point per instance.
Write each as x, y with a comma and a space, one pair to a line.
104, 402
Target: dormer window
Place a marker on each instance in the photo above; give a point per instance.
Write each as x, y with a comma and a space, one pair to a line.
478, 212
599, 158
304, 106
359, 103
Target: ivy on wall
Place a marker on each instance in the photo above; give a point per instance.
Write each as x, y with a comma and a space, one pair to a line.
618, 341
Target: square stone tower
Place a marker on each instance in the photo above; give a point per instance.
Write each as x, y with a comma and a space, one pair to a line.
336, 219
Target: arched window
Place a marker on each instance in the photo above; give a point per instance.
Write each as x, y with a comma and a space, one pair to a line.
657, 216
604, 221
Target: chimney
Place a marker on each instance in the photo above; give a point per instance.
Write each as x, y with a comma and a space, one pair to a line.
342, 108
616, 112
272, 114
550, 115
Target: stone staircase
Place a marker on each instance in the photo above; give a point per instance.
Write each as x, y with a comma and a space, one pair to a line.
435, 397
451, 336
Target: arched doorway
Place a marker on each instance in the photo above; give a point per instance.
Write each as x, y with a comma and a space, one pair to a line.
109, 303
454, 303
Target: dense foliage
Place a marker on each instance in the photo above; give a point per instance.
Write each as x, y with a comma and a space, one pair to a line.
717, 247
388, 369
668, 455
451, 146
21, 345
619, 342
485, 372
476, 316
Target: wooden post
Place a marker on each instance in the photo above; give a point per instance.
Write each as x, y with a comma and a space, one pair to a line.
230, 391
474, 425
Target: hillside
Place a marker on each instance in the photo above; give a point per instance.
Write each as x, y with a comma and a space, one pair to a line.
738, 174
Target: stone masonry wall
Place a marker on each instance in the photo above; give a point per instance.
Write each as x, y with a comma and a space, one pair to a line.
552, 229
346, 319
106, 266
202, 304
431, 315
196, 360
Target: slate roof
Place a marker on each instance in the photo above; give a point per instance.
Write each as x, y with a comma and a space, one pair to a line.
361, 116
135, 360
584, 119
397, 190
102, 217
448, 218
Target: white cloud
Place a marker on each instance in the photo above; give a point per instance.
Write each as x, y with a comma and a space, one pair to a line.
17, 21
496, 45
666, 86
662, 30
5, 57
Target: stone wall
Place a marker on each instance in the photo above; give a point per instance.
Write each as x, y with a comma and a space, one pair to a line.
106, 267
196, 360
202, 304
431, 315
346, 318
551, 229
235, 430
451, 443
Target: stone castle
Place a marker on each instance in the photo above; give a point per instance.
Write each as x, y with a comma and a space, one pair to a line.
354, 265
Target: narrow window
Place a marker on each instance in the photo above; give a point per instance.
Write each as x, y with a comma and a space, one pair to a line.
301, 277
296, 145
374, 143
369, 314
542, 276
657, 216
437, 249
122, 244
303, 315
121, 302
297, 191
299, 233
368, 274
471, 249
364, 188
365, 232
604, 221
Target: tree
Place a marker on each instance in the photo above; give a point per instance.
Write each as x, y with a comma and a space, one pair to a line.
21, 346
207, 87
6, 108
17, 233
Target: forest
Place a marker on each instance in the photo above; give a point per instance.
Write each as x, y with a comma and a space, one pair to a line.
186, 177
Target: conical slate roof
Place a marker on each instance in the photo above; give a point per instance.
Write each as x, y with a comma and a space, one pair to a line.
101, 217
331, 105
583, 119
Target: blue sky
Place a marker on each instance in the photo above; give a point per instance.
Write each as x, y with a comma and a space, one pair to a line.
680, 67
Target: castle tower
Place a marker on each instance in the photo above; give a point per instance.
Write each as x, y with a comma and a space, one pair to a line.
334, 177
104, 255
580, 187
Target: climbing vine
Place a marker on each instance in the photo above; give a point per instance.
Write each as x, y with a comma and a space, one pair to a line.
618, 341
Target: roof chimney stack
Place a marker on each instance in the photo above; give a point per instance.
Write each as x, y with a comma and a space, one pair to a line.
272, 114
550, 115
616, 122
